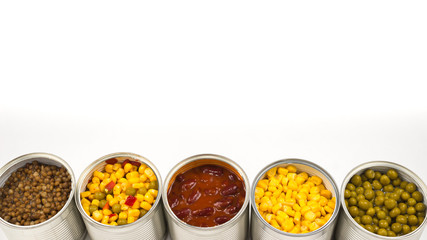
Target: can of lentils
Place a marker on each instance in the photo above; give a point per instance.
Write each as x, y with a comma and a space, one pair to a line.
294, 199
36, 192
119, 197
382, 200
207, 197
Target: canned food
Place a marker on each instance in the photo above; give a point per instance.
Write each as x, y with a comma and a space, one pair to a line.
348, 228
65, 223
206, 197
296, 171
147, 224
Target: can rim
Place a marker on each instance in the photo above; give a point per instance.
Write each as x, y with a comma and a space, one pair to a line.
366, 165
95, 163
303, 162
48, 156
188, 160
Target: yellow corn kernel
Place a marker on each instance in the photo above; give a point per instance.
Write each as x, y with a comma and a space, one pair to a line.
263, 184
131, 219
114, 224
292, 185
296, 229
136, 205
120, 173
272, 189
316, 180
109, 197
291, 176
85, 201
95, 202
117, 190
148, 198
296, 207
304, 229
123, 215
285, 181
305, 209
268, 194
313, 226
273, 182
282, 171
276, 207
263, 206
113, 218
99, 175
133, 180
142, 168
127, 167
133, 174
145, 205
150, 174
314, 190
124, 207
275, 224
310, 216
143, 178
85, 194
139, 197
289, 224
105, 220
268, 217
122, 180
329, 209
288, 210
331, 203
303, 175
288, 194
95, 180
323, 201
291, 168
314, 197
116, 166
97, 215
108, 168
113, 201
94, 187
133, 212
297, 218
102, 186
107, 212
113, 178
322, 211
299, 180
272, 172
137, 185
153, 192
276, 194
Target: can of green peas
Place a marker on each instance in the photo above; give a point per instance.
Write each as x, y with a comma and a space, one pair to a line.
382, 200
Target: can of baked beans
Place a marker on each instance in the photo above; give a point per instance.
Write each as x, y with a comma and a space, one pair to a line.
348, 228
150, 226
207, 197
65, 224
262, 230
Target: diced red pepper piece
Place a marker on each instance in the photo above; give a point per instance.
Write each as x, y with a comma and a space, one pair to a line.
111, 161
130, 200
124, 162
106, 206
135, 163
110, 186
112, 215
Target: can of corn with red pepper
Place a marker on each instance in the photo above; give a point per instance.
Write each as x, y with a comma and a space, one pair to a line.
207, 197
119, 198
293, 199
36, 197
382, 200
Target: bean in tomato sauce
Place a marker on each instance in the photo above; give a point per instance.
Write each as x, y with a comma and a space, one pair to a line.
206, 196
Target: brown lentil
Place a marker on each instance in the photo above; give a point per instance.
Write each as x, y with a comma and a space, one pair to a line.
34, 193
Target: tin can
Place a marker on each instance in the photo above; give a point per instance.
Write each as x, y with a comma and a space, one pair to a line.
234, 229
150, 227
348, 228
262, 230
66, 224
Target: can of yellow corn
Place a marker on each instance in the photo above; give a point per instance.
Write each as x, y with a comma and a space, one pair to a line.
118, 199
65, 224
206, 196
349, 228
294, 199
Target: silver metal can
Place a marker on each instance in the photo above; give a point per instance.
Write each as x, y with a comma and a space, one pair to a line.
348, 228
66, 224
150, 227
234, 229
262, 230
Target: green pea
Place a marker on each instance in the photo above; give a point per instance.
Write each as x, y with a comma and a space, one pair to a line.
390, 203
379, 201
153, 185
381, 215
417, 196
421, 215
360, 190
384, 180
403, 208
402, 219
395, 196
354, 211
370, 212
142, 212
350, 187
347, 193
411, 210
370, 174
388, 188
390, 233
392, 174
366, 219
121, 221
376, 185
364, 204
353, 194
102, 203
403, 184
405, 196
396, 182
406, 229
382, 232
412, 202
394, 212
130, 191
352, 201
116, 208
142, 190
379, 193
412, 220
356, 180
361, 213
92, 208
388, 219
357, 219
369, 227
377, 175
410, 188
99, 195
367, 185
360, 197
376, 228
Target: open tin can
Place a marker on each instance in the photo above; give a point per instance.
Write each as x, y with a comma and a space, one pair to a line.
234, 229
151, 226
348, 228
262, 230
66, 224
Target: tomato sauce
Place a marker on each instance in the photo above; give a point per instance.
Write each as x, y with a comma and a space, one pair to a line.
206, 196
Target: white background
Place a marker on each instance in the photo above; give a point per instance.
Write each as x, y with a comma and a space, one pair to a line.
334, 82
